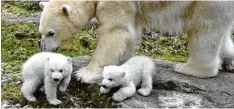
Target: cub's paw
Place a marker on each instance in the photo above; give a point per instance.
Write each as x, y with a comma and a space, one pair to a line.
87, 76
228, 66
31, 98
55, 101
118, 97
187, 69
42, 89
103, 90
144, 92
62, 89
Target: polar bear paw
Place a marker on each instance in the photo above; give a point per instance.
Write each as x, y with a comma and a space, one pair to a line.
144, 92
31, 98
118, 97
86, 76
104, 91
228, 66
62, 89
187, 69
55, 101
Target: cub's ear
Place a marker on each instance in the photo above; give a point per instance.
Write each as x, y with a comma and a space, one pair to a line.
43, 4
66, 9
69, 60
123, 74
48, 59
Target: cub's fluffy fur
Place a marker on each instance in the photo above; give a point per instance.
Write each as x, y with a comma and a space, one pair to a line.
207, 23
137, 71
49, 69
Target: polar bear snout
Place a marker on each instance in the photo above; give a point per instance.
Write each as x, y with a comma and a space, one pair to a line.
57, 76
49, 44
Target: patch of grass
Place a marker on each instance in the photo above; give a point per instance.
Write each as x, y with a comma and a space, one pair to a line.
164, 47
77, 95
11, 93
19, 8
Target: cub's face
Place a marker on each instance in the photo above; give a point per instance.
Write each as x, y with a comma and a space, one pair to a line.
112, 77
57, 69
60, 20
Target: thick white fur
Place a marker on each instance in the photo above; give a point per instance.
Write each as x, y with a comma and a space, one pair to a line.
37, 71
137, 71
208, 25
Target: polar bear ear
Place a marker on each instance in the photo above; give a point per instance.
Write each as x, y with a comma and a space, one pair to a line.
66, 9
48, 59
43, 4
122, 74
69, 60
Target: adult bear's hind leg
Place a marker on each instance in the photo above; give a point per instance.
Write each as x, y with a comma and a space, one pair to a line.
227, 54
204, 51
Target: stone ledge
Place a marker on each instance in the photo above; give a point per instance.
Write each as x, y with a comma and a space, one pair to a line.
172, 89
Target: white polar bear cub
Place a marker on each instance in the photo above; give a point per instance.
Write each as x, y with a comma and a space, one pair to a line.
137, 71
52, 69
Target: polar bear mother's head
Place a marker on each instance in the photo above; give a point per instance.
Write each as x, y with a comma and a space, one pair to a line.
61, 19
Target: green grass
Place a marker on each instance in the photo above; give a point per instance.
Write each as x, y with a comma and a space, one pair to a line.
19, 8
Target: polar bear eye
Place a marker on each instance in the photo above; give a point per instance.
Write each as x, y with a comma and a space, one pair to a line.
51, 70
60, 70
50, 33
110, 79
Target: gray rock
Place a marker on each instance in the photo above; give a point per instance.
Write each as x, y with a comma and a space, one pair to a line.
172, 89
35, 18
9, 77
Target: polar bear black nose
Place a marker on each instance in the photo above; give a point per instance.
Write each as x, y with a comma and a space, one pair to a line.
56, 79
104, 86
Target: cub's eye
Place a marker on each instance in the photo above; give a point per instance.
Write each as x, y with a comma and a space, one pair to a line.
110, 79
102, 77
50, 33
51, 70
60, 70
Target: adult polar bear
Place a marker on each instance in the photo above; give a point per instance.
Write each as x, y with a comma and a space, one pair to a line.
208, 25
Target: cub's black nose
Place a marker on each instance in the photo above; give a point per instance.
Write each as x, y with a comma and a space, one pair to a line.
56, 80
104, 86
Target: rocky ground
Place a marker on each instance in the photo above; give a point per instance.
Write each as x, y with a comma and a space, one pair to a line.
171, 89
20, 33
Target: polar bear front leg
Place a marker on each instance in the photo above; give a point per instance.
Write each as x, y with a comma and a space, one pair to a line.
64, 83
51, 91
29, 87
146, 85
124, 92
113, 48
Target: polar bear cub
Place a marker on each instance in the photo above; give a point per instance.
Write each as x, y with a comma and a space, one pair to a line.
137, 71
50, 69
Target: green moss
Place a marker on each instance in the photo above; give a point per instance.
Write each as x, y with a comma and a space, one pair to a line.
77, 95
11, 93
